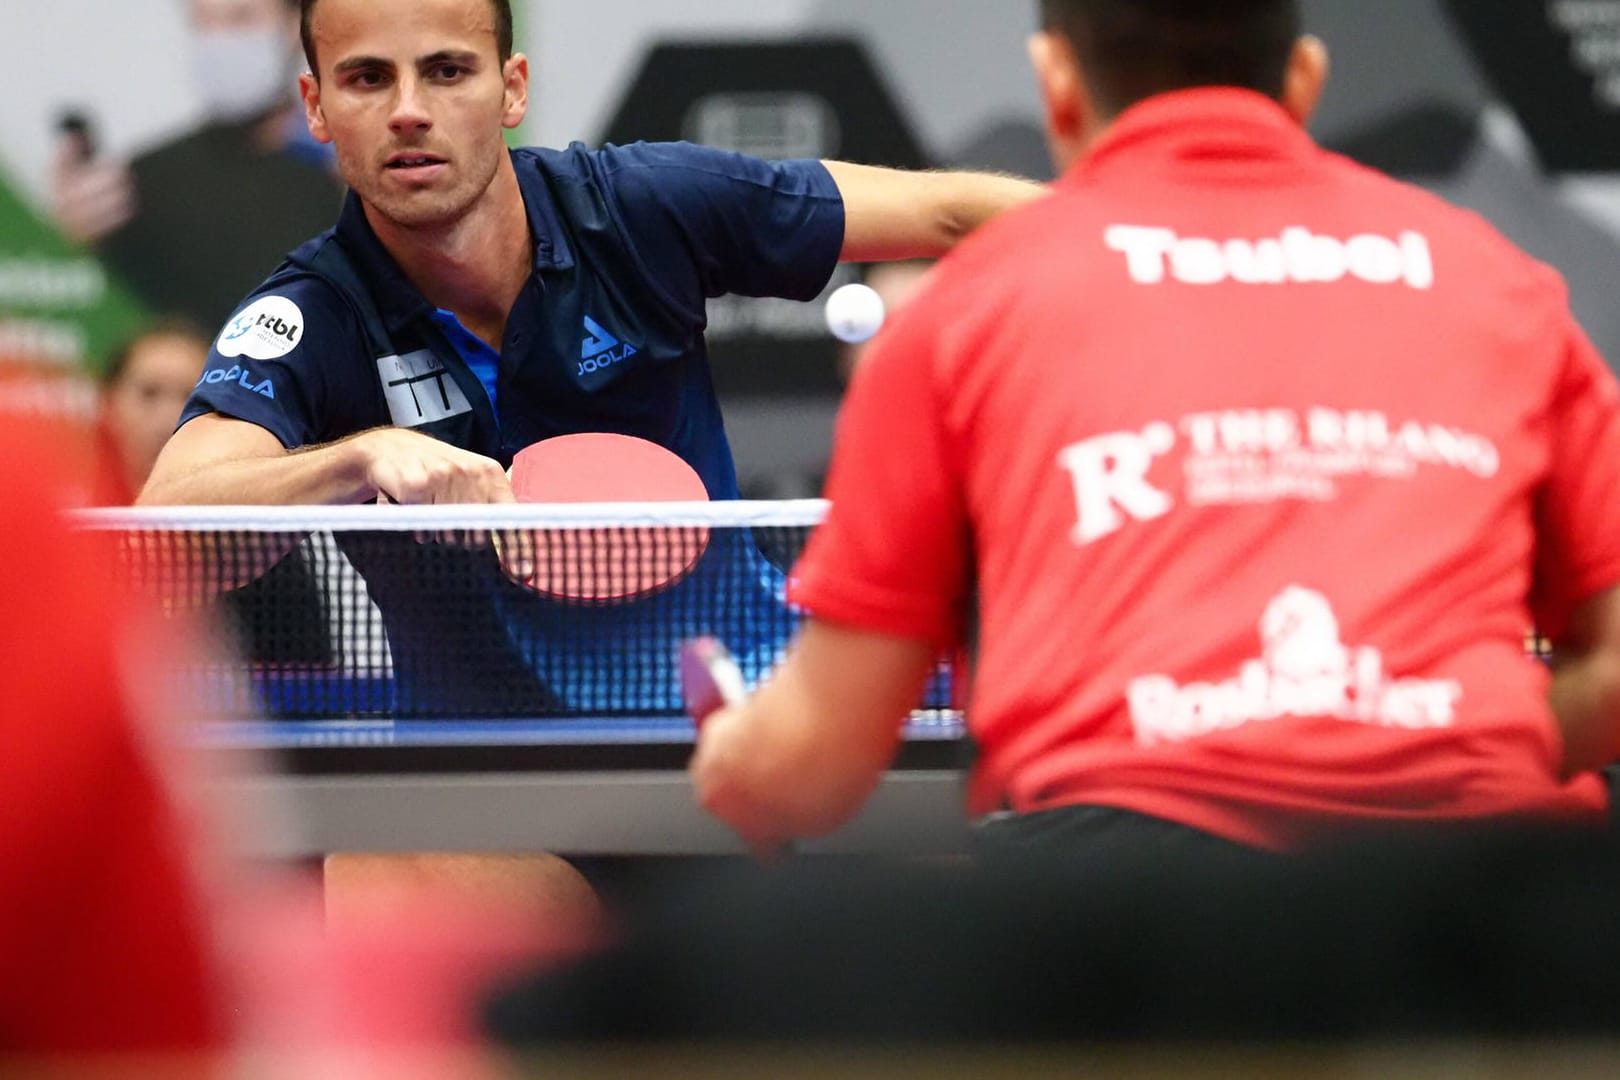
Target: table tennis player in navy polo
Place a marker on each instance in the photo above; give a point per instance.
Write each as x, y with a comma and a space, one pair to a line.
366, 365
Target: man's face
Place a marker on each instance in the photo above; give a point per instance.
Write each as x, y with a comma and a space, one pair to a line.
415, 97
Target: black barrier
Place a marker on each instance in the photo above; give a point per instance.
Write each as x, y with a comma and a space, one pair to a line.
1556, 63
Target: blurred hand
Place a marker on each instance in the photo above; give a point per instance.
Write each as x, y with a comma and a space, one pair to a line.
89, 198
720, 779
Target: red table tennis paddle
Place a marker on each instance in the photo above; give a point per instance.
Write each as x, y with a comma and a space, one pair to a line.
603, 564
710, 678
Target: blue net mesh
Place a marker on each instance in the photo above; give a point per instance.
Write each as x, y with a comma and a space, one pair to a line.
385, 612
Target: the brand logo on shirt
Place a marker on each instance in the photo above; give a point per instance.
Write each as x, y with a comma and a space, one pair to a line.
419, 389
1297, 256
1305, 670
601, 350
1248, 457
266, 329
238, 375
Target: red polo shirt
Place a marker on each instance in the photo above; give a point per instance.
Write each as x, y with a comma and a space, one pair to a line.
105, 940
1249, 452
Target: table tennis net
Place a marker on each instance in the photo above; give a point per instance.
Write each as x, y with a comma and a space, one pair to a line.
462, 612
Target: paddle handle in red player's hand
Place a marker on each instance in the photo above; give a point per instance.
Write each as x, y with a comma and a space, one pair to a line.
710, 678
711, 681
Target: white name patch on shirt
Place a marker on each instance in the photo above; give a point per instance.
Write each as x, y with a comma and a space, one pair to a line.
419, 389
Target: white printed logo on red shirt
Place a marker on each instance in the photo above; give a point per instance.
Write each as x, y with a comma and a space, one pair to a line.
1236, 457
1304, 670
1296, 256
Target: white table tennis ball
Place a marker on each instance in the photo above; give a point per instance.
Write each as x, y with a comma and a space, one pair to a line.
854, 313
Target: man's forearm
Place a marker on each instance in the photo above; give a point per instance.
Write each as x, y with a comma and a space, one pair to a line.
219, 461
968, 200
1585, 698
801, 756
894, 214
331, 474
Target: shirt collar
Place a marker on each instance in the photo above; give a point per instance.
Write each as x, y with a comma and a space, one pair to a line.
397, 299
1204, 122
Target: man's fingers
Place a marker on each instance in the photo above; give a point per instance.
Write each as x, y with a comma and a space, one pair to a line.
478, 480
516, 549
417, 469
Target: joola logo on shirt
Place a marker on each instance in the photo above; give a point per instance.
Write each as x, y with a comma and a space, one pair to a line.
1304, 670
240, 376
601, 350
1297, 256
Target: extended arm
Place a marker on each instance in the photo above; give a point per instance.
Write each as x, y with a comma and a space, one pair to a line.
218, 460
801, 756
1586, 685
894, 214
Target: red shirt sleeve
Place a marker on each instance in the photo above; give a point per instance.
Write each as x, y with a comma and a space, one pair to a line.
105, 942
892, 555
1578, 508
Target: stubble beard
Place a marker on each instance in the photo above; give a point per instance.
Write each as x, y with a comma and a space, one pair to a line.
424, 209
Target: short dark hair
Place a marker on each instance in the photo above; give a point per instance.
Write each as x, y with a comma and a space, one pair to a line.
1133, 49
503, 30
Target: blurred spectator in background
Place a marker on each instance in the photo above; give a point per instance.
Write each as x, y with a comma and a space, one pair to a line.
278, 618
145, 386
190, 226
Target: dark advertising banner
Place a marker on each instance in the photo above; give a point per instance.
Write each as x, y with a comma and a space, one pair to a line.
776, 100
1557, 64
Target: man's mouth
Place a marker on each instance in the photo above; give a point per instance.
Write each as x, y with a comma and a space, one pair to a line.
414, 161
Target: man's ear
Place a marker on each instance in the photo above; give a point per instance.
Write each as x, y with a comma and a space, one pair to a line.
1071, 119
309, 89
515, 106
1306, 78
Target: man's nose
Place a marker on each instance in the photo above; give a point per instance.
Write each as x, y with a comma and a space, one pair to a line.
410, 108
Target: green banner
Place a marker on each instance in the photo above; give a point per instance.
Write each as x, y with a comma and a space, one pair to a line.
57, 303
519, 136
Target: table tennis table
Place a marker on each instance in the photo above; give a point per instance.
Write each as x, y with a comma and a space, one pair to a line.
364, 740
578, 787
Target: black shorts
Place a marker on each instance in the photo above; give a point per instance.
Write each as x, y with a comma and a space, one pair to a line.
1101, 834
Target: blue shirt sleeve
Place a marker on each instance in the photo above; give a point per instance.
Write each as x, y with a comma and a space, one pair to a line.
271, 363
707, 222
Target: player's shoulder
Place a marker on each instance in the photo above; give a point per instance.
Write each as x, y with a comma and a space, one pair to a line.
655, 164
580, 162
1459, 235
293, 306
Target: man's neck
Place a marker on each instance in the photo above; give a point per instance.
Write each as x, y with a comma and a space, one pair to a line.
475, 266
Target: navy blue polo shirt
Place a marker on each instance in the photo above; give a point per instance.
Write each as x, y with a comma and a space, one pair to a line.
607, 334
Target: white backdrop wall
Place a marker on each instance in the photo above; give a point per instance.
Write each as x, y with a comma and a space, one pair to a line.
122, 61
957, 65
